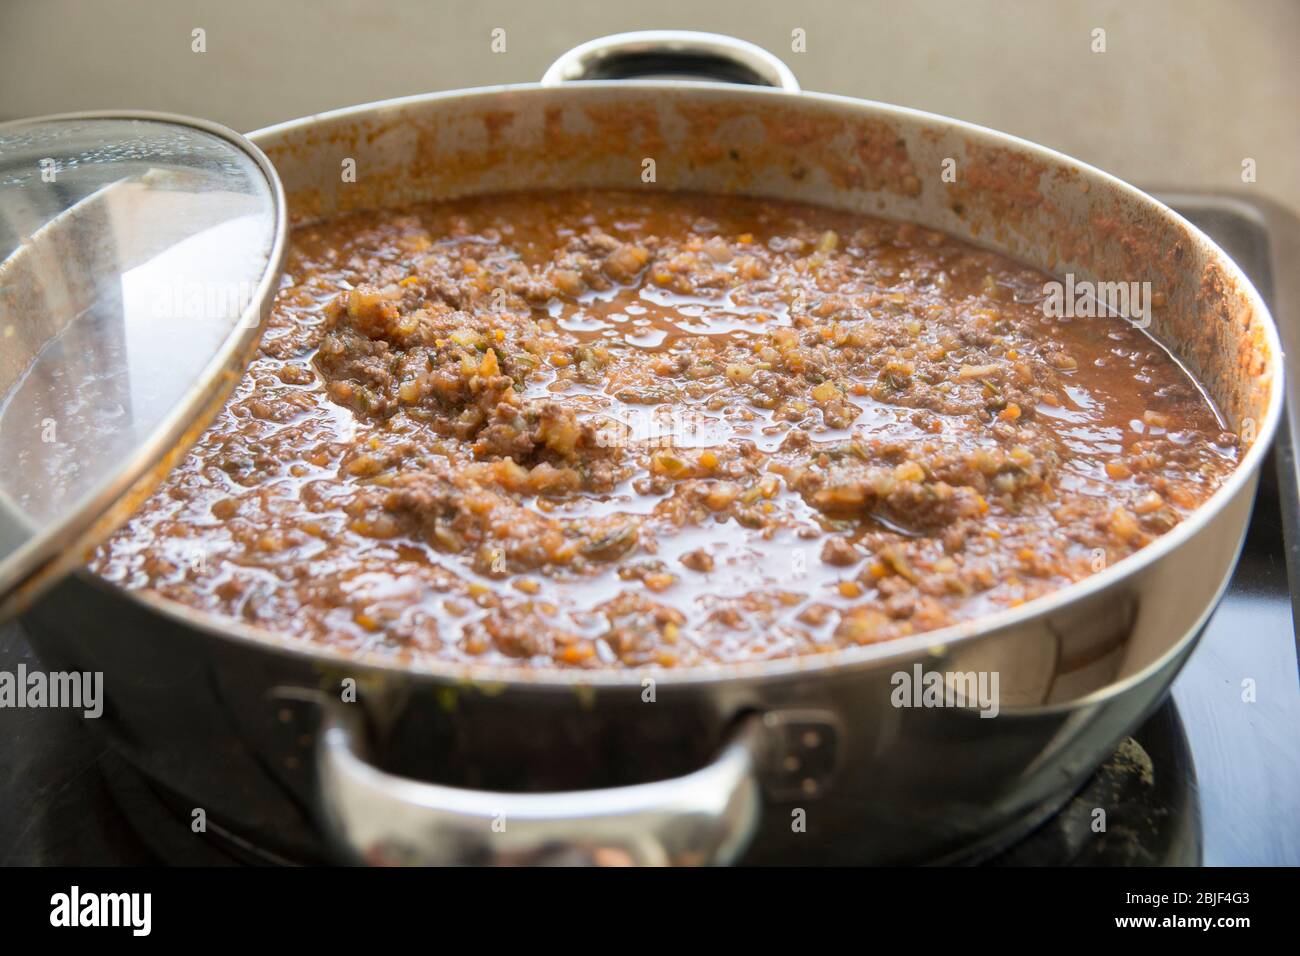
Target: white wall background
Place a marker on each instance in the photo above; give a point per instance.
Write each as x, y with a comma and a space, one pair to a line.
1185, 91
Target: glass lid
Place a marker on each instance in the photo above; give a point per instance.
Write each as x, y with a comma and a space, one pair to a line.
138, 256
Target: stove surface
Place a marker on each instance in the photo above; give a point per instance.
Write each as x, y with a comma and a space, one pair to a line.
1212, 777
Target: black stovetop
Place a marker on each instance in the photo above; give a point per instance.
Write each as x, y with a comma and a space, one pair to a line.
1210, 778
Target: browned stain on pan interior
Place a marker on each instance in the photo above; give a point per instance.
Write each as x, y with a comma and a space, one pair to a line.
1044, 211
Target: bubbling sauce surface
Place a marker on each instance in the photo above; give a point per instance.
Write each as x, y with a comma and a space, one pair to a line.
606, 429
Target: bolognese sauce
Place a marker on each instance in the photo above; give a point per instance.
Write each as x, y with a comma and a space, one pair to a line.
604, 429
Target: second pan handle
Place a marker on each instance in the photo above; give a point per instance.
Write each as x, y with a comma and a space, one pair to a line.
376, 817
679, 54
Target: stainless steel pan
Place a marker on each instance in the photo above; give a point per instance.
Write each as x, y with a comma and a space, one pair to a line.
803, 758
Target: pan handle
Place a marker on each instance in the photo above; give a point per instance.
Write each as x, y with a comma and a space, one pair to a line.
675, 53
375, 817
